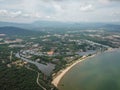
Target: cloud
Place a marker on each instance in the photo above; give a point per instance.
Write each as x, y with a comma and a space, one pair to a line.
17, 14
2, 12
115, 0
115, 13
60, 10
48, 17
6, 13
57, 7
88, 7
108, 1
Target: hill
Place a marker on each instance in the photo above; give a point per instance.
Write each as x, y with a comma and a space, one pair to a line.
56, 26
9, 30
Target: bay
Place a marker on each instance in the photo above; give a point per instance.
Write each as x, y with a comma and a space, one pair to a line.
101, 72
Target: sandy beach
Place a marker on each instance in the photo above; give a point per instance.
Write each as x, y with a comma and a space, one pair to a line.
58, 77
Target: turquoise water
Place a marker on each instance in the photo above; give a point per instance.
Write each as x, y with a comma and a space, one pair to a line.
101, 72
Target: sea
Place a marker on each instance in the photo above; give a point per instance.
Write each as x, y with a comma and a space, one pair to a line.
101, 72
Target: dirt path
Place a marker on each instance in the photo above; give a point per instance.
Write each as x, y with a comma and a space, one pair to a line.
37, 80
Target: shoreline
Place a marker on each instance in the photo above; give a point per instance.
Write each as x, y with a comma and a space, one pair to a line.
61, 73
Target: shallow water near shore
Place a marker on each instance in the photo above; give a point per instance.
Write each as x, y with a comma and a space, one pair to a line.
101, 72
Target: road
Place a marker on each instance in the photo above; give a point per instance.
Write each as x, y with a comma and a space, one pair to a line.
37, 80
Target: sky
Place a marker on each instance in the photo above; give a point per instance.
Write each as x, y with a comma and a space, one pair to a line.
60, 10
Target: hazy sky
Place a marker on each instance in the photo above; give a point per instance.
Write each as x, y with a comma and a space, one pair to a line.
60, 10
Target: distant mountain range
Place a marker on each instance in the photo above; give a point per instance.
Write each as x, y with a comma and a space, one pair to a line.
54, 25
10, 30
12, 24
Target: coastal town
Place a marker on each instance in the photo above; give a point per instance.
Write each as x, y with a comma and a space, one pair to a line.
50, 53
59, 44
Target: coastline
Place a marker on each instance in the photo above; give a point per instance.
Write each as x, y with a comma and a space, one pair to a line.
58, 77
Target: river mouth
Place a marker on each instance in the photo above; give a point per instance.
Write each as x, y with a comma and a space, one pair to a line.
98, 73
